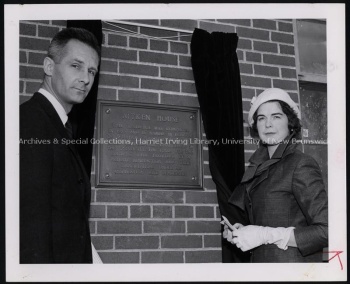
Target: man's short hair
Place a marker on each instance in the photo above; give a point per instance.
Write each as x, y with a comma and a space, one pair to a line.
60, 40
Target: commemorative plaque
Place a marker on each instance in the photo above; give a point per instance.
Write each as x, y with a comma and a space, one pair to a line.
148, 145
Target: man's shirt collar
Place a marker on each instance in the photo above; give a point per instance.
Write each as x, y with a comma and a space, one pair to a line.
56, 104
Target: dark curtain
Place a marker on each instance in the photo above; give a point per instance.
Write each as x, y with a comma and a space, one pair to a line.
217, 79
82, 115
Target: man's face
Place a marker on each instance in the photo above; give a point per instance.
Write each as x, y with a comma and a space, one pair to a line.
74, 74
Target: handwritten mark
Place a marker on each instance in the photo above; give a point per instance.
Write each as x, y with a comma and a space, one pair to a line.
337, 254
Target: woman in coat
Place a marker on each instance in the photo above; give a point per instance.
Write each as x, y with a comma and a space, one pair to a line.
282, 190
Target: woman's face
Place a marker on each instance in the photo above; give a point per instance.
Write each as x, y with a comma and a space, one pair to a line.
272, 123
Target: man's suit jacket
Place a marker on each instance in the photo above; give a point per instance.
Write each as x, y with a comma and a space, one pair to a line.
55, 190
285, 191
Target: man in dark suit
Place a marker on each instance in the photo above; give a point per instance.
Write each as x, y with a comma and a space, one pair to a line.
54, 186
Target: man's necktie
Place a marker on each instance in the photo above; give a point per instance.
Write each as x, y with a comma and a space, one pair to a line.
69, 129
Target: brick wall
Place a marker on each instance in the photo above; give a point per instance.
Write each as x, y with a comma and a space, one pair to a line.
165, 226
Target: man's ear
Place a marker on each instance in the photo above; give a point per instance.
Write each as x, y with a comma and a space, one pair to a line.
48, 66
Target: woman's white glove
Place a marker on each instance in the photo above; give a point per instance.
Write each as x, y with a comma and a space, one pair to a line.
249, 237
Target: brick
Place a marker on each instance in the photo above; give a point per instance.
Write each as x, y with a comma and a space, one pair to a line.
45, 31
204, 212
136, 242
244, 44
215, 27
285, 27
97, 211
205, 155
33, 43
203, 227
106, 94
92, 227
121, 27
32, 87
181, 242
36, 58
253, 56
148, 22
240, 54
212, 241
180, 24
255, 81
176, 73
139, 69
183, 211
209, 184
201, 197
118, 53
27, 72
118, 40
289, 73
23, 57
121, 196
21, 86
279, 60
264, 24
266, 70
236, 22
137, 96
265, 46
119, 227
179, 100
159, 58
287, 49
208, 256
119, 257
185, 37
247, 156
162, 257
217, 212
137, 42
252, 33
162, 211
178, 47
281, 37
207, 170
248, 93
109, 66
164, 85
246, 105
117, 211
119, 81
23, 99
27, 29
157, 32
164, 226
137, 211
159, 45
102, 242
246, 68
285, 84
188, 88
46, 22
162, 197
59, 23
185, 61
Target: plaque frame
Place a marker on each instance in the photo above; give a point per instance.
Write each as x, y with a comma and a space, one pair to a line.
199, 183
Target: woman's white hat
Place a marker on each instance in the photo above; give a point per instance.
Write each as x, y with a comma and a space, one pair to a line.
270, 95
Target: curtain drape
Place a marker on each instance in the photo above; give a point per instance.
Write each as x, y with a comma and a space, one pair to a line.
82, 115
217, 79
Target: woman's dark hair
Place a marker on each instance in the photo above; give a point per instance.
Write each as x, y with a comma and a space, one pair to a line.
294, 124
60, 40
